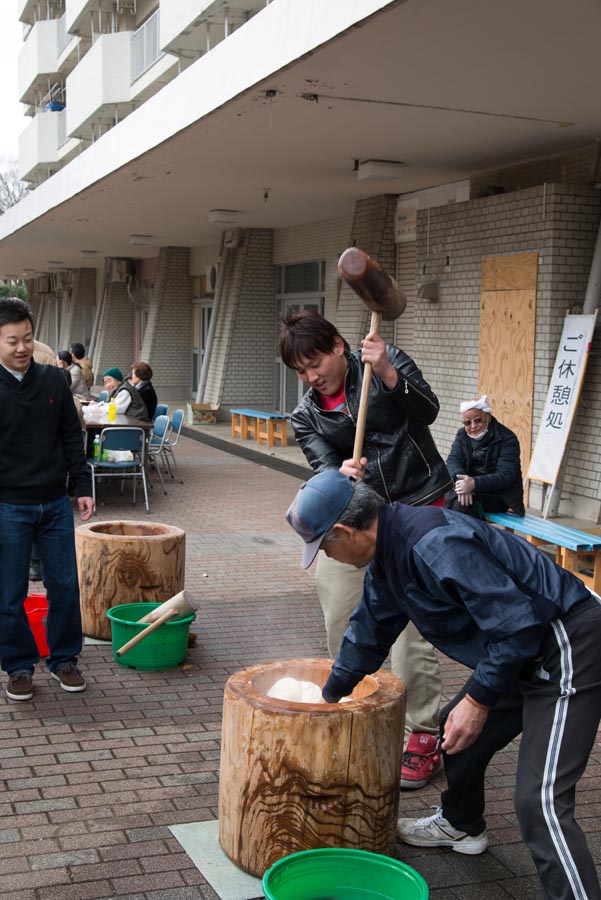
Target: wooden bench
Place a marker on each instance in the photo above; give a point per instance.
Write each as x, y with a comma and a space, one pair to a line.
571, 544
263, 426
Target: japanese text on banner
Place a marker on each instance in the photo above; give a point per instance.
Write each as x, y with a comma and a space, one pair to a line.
562, 398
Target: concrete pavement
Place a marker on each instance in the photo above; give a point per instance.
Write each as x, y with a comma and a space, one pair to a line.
90, 782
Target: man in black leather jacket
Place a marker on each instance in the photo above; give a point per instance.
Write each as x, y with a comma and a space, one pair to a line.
400, 462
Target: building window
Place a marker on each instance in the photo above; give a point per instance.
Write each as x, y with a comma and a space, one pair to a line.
299, 286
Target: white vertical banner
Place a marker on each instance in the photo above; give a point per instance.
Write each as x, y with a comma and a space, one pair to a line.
406, 220
562, 398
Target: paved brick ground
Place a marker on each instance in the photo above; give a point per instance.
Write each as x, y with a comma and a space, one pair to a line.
89, 782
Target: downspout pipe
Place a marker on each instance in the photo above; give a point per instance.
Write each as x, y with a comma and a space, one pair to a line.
593, 288
206, 360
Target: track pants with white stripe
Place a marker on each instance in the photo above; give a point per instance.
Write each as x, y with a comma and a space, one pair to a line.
557, 708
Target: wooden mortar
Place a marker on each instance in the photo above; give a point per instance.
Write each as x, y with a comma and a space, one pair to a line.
126, 562
298, 776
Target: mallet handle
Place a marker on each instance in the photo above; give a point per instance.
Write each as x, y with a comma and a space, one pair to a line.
364, 399
142, 634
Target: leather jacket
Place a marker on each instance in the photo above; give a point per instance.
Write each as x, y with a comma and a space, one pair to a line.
402, 460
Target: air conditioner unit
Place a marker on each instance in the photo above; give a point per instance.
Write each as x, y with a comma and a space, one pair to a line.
42, 284
118, 271
60, 281
211, 279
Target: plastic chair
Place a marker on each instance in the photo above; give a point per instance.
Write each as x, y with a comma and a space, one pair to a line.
161, 410
177, 421
103, 396
121, 438
156, 445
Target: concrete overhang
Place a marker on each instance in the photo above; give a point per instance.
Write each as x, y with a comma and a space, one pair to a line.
289, 102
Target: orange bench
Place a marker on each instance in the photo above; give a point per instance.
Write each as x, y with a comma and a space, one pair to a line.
261, 425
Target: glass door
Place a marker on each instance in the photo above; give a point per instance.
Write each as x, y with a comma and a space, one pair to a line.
201, 319
299, 287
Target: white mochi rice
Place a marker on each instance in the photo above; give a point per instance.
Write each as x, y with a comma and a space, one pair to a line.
296, 691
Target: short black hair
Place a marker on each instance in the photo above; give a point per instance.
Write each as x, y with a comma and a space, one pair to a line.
13, 309
303, 335
78, 350
65, 356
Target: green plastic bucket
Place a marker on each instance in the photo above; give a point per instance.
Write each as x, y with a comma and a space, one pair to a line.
165, 648
342, 874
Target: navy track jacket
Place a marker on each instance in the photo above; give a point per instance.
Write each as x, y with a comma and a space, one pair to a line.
482, 596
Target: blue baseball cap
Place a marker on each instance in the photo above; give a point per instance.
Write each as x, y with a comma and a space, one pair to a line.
316, 507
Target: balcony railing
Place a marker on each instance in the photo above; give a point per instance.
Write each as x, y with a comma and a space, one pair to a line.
145, 46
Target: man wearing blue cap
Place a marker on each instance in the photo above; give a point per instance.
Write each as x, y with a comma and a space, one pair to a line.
528, 629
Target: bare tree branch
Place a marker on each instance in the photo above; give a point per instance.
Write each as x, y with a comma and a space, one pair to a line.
11, 189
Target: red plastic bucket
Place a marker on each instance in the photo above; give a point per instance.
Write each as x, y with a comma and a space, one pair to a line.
36, 607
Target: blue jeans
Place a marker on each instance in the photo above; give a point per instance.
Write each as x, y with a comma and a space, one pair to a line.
51, 526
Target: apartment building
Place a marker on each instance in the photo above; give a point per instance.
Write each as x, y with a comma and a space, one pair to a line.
195, 168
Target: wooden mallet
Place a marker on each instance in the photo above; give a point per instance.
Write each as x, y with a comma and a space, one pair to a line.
176, 607
382, 295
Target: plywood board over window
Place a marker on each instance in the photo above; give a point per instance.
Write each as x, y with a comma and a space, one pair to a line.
507, 332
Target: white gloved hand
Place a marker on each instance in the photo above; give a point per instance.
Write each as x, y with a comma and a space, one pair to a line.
464, 484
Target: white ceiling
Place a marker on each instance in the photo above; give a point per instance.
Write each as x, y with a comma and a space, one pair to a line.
450, 87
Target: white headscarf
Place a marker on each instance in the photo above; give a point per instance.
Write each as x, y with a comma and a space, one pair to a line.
477, 403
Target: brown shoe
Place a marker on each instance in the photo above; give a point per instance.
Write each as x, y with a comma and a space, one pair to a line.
20, 686
70, 678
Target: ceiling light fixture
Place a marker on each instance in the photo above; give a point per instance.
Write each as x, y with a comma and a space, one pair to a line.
224, 216
55, 264
378, 169
87, 253
140, 239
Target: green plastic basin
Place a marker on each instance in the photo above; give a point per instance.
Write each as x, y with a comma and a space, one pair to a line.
342, 874
164, 648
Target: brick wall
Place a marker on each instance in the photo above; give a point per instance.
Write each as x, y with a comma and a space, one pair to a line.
579, 166
250, 373
77, 325
242, 362
315, 241
115, 343
373, 231
576, 212
167, 340
560, 222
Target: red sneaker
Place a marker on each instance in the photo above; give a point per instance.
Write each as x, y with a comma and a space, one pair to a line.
422, 760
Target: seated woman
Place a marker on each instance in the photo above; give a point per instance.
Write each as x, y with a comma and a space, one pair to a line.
484, 463
140, 377
65, 361
128, 400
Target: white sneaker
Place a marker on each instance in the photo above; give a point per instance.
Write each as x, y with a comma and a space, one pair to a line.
435, 831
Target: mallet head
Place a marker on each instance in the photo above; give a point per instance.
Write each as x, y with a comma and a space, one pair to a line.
371, 283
